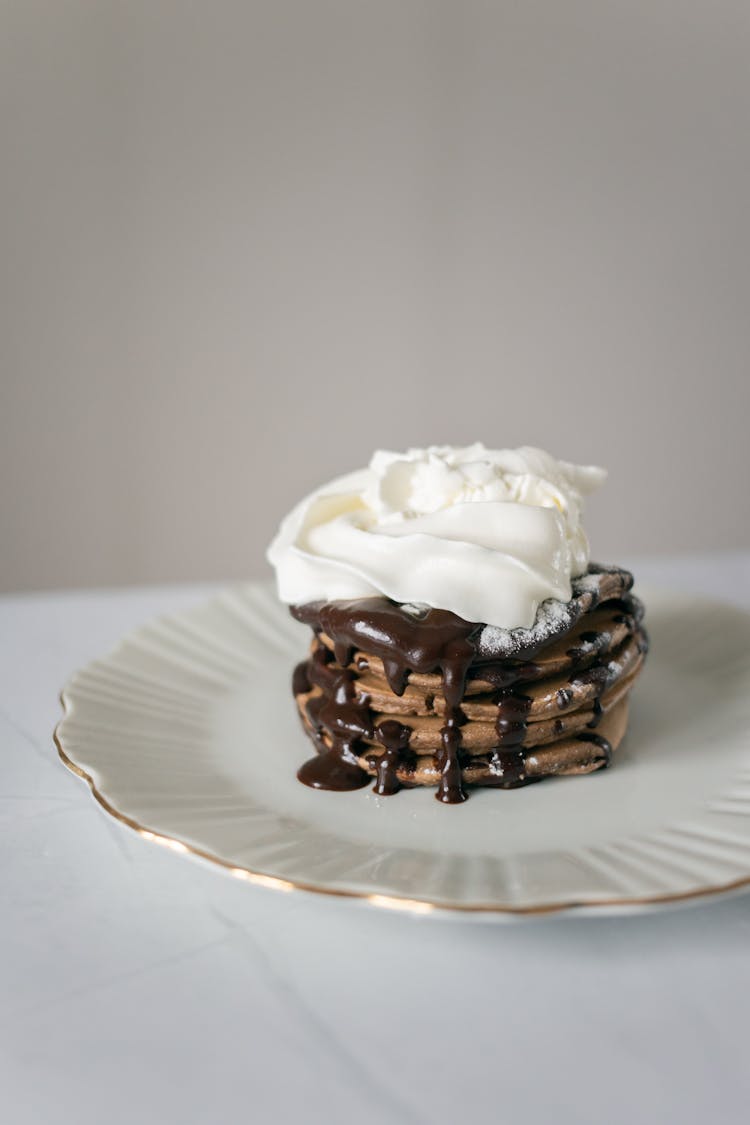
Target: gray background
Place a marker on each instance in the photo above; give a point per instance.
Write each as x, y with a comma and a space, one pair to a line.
243, 244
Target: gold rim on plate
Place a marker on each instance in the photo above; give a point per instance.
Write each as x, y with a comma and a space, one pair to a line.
387, 902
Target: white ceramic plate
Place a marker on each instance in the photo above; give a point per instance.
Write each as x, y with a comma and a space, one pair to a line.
189, 734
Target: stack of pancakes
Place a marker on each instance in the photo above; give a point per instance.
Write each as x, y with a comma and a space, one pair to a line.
486, 707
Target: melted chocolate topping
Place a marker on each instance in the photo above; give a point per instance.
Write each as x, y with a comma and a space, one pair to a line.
405, 643
345, 714
507, 761
300, 680
335, 769
604, 746
394, 737
598, 712
436, 641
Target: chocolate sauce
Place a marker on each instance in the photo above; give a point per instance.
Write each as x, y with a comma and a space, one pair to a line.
628, 611
507, 762
599, 640
597, 676
599, 740
590, 644
436, 641
450, 785
508, 672
404, 643
346, 714
300, 680
394, 737
335, 769
343, 652
510, 724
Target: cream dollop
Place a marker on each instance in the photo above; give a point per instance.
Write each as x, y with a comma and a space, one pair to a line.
488, 534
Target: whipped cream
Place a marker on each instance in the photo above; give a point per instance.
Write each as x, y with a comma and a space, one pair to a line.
488, 534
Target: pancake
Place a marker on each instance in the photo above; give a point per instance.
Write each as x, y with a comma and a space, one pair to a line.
415, 696
601, 631
571, 754
556, 693
425, 731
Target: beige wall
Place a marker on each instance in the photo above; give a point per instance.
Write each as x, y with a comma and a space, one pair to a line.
244, 243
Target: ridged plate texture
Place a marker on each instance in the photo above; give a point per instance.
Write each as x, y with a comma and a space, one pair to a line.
188, 733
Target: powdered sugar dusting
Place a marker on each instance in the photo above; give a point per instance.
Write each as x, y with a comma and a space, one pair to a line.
554, 618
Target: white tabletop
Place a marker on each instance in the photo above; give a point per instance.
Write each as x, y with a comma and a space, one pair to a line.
140, 986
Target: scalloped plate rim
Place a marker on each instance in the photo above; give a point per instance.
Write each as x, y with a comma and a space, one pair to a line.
415, 905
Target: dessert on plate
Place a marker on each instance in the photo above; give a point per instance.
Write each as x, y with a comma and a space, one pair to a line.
461, 636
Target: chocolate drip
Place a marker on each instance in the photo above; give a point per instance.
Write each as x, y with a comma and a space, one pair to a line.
312, 710
397, 674
450, 786
300, 680
343, 652
345, 712
510, 724
630, 612
600, 676
347, 715
507, 761
403, 642
394, 737
508, 672
320, 671
590, 644
436, 640
340, 716
455, 666
599, 740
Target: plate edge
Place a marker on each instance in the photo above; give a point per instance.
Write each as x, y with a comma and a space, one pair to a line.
391, 902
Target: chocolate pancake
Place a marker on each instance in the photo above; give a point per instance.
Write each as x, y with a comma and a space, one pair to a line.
477, 735
579, 752
602, 632
418, 696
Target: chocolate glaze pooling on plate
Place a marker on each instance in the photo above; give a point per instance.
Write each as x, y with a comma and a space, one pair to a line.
436, 641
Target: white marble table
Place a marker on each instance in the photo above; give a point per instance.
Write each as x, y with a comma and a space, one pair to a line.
139, 986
